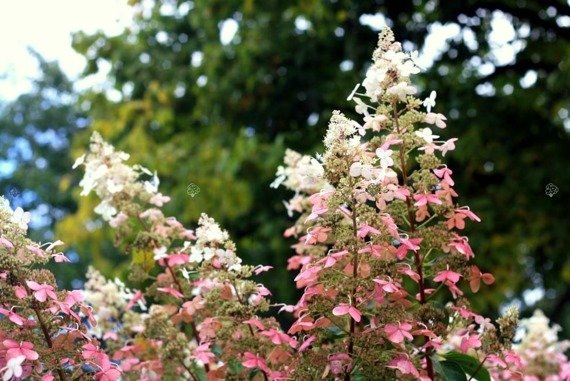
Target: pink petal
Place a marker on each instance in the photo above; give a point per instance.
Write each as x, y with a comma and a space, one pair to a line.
7, 244
30, 354
33, 285
354, 313
20, 292
306, 343
172, 291
340, 310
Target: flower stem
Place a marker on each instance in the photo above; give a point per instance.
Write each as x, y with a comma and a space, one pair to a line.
240, 300
427, 221
174, 278
188, 369
477, 369
352, 328
417, 259
193, 325
45, 332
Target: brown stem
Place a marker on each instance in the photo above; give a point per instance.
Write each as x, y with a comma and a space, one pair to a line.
352, 328
417, 258
197, 338
192, 324
174, 278
240, 300
188, 369
45, 331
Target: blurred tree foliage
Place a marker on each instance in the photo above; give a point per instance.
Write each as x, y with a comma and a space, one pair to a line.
512, 118
219, 114
35, 137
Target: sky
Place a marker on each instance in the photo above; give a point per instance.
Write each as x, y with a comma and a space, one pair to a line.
46, 26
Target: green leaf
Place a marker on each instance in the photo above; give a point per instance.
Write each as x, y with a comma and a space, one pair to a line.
234, 366
358, 376
470, 365
448, 371
217, 350
451, 371
437, 367
201, 374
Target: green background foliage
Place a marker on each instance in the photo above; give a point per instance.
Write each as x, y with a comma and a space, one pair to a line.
220, 116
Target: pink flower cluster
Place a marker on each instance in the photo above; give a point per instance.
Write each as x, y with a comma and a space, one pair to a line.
43, 330
385, 271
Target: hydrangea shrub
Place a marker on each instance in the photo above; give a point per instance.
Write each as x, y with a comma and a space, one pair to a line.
379, 241
384, 266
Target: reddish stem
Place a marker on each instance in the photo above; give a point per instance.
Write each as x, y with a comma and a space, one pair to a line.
352, 329
192, 324
418, 261
173, 275
45, 331
240, 300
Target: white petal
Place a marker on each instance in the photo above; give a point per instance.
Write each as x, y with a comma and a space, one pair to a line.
355, 169
80, 160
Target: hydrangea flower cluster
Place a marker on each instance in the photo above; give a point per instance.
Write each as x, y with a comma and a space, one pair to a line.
196, 314
384, 267
380, 245
43, 330
112, 305
110, 178
541, 353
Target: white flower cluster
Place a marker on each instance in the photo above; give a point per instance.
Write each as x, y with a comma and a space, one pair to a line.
210, 231
342, 138
109, 300
17, 217
341, 129
391, 70
301, 173
229, 259
539, 337
107, 174
5, 205
104, 168
210, 240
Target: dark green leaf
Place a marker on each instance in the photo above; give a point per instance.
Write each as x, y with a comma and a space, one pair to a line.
234, 366
451, 371
470, 365
357, 375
